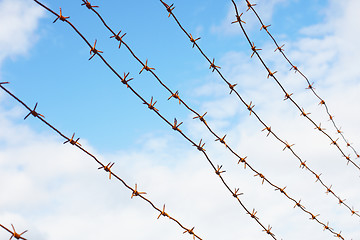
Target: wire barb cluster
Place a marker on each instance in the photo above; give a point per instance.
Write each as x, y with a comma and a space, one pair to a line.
107, 168
288, 96
151, 107
310, 86
175, 125
250, 106
14, 234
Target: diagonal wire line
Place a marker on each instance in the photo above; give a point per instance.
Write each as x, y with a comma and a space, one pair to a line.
250, 107
310, 85
150, 105
287, 95
107, 167
202, 119
14, 233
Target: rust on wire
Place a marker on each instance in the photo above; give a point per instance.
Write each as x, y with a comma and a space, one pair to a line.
118, 38
107, 168
254, 49
88, 4
176, 96
194, 44
146, 67
213, 66
72, 141
301, 110
125, 81
163, 213
176, 125
94, 51
191, 232
272, 75
136, 192
295, 68
34, 113
151, 106
61, 17
242, 160
14, 234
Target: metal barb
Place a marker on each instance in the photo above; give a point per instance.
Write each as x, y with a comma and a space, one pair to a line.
136, 192
213, 66
87, 4
34, 113
146, 67
193, 40
17, 235
125, 81
118, 38
107, 168
94, 51
72, 141
61, 17
163, 213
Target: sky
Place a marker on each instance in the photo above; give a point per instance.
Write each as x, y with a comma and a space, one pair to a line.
56, 191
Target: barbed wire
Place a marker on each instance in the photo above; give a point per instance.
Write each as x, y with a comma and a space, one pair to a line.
202, 119
250, 107
296, 69
151, 106
107, 167
14, 234
287, 95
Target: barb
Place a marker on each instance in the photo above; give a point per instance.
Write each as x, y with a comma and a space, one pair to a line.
250, 108
14, 234
107, 168
176, 96
33, 112
296, 69
288, 96
200, 146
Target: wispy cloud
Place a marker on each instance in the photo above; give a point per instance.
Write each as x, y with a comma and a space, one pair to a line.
58, 193
18, 24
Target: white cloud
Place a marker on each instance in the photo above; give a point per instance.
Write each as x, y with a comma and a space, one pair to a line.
18, 24
56, 191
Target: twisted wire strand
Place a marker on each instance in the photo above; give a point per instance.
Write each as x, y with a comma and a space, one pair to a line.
106, 167
250, 107
296, 69
201, 118
287, 95
151, 106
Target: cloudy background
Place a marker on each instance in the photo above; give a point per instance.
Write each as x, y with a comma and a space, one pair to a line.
56, 192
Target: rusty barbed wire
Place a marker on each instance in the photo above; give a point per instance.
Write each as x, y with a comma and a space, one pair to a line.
150, 106
250, 107
176, 125
296, 69
106, 167
287, 95
14, 234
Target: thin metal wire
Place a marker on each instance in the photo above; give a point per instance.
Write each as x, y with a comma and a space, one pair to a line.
287, 95
14, 234
150, 105
107, 167
175, 95
296, 69
250, 107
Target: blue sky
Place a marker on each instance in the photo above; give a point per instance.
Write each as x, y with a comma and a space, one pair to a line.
65, 197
